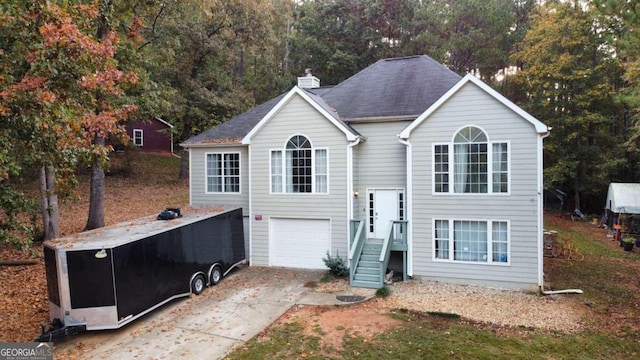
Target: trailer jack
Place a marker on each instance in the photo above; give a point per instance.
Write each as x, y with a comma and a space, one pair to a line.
57, 331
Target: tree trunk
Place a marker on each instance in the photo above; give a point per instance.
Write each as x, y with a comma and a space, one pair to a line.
184, 164
96, 196
96, 193
49, 202
18, 262
576, 188
285, 62
184, 156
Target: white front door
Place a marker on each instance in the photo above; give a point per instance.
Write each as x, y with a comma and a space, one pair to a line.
383, 208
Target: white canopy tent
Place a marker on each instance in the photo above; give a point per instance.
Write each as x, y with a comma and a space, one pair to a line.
623, 198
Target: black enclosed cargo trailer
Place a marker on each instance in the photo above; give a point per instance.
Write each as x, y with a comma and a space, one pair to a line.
108, 277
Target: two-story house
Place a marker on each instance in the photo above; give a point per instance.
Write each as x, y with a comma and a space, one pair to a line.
405, 165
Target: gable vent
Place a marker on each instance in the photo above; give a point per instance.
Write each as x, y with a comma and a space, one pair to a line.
308, 81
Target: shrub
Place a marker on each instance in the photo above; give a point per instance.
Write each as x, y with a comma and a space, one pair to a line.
444, 314
327, 277
14, 207
337, 266
383, 292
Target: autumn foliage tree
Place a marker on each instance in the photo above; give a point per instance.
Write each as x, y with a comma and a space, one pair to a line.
216, 47
103, 115
571, 83
61, 95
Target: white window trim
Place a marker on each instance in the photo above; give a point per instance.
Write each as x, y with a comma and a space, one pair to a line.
433, 169
315, 175
141, 132
206, 187
283, 167
451, 260
450, 147
508, 192
271, 172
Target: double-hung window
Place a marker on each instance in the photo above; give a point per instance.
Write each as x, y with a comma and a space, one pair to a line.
137, 137
471, 241
471, 164
223, 172
299, 168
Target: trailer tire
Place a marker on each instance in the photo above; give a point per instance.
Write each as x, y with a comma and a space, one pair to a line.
216, 275
198, 284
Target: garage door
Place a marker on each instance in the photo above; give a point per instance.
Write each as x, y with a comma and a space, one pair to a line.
300, 243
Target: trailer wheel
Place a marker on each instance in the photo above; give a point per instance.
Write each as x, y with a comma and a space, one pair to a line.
197, 284
216, 275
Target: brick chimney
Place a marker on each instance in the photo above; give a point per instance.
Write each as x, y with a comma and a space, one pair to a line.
308, 81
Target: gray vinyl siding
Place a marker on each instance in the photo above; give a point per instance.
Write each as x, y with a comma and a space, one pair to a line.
472, 106
197, 179
297, 117
381, 160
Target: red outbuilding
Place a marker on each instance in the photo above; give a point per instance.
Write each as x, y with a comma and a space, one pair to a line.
151, 135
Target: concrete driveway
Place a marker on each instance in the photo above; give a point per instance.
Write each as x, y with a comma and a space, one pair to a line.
207, 326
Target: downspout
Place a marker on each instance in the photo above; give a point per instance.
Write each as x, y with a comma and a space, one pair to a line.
409, 204
250, 255
174, 154
541, 226
350, 212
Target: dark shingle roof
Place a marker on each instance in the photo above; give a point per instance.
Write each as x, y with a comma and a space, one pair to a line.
392, 87
234, 129
398, 87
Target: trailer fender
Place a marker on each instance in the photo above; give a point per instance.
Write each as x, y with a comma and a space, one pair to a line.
198, 282
215, 274
239, 263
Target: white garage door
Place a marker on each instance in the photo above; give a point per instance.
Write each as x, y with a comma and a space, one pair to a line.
299, 243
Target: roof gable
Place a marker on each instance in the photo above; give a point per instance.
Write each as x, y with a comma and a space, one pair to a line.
469, 78
395, 89
149, 121
163, 122
315, 101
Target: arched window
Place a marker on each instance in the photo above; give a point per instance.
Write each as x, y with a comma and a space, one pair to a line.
302, 170
298, 165
479, 166
470, 161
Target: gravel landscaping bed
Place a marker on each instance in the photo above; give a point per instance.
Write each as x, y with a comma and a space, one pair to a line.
478, 303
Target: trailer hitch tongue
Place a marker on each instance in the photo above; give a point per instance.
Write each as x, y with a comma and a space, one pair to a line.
58, 331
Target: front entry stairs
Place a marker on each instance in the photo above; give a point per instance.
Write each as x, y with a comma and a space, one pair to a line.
368, 272
369, 257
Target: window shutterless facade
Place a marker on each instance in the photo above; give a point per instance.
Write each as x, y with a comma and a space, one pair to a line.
299, 168
471, 164
223, 172
471, 241
137, 137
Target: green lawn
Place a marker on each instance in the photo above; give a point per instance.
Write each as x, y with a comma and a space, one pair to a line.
424, 337
609, 277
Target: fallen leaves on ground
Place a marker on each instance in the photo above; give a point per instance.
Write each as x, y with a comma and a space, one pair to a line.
23, 298
24, 303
